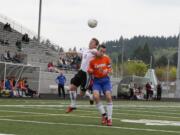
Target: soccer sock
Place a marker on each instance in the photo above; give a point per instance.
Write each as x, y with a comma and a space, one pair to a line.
73, 96
88, 94
100, 107
109, 110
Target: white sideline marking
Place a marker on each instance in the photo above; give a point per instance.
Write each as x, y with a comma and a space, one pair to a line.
88, 125
87, 106
153, 122
135, 110
53, 114
140, 111
6, 134
86, 116
158, 112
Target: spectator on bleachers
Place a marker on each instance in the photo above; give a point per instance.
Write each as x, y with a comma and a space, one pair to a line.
6, 42
7, 27
17, 58
69, 60
50, 67
18, 45
60, 63
6, 56
25, 38
1, 41
9, 55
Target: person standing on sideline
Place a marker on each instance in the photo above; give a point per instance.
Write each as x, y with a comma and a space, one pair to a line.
61, 80
159, 91
148, 91
100, 67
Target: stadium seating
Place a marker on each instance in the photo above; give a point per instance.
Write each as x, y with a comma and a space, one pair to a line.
36, 52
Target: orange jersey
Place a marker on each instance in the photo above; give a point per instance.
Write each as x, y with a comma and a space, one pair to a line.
99, 67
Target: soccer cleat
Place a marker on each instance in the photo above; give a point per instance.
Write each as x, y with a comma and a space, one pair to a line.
70, 109
91, 102
104, 120
109, 122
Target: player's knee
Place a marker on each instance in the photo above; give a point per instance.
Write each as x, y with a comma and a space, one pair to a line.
96, 96
109, 100
108, 97
72, 87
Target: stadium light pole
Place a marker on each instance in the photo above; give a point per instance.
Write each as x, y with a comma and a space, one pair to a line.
39, 23
151, 62
117, 67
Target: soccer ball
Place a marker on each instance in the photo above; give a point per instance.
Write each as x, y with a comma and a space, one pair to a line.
92, 23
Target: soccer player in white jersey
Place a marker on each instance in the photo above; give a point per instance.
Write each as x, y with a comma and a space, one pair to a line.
82, 77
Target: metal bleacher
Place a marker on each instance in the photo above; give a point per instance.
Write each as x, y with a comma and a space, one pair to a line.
35, 52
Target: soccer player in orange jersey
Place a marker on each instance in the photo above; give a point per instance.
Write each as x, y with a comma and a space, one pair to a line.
100, 67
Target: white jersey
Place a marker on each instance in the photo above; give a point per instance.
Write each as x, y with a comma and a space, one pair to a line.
87, 55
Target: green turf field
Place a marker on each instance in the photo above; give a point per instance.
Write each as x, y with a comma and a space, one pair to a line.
48, 117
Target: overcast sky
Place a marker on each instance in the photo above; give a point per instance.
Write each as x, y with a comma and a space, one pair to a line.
65, 21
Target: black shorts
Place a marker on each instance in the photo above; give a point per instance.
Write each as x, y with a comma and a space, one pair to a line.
81, 79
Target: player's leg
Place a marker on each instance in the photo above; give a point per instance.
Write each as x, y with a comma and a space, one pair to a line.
75, 83
96, 94
63, 91
73, 95
107, 88
59, 90
109, 107
100, 106
87, 86
91, 100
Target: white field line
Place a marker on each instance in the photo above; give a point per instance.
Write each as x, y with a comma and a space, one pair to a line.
12, 116
6, 134
83, 101
87, 116
157, 111
87, 106
51, 114
136, 110
92, 126
126, 113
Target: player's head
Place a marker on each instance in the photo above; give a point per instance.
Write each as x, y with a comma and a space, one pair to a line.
93, 43
102, 50
60, 72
